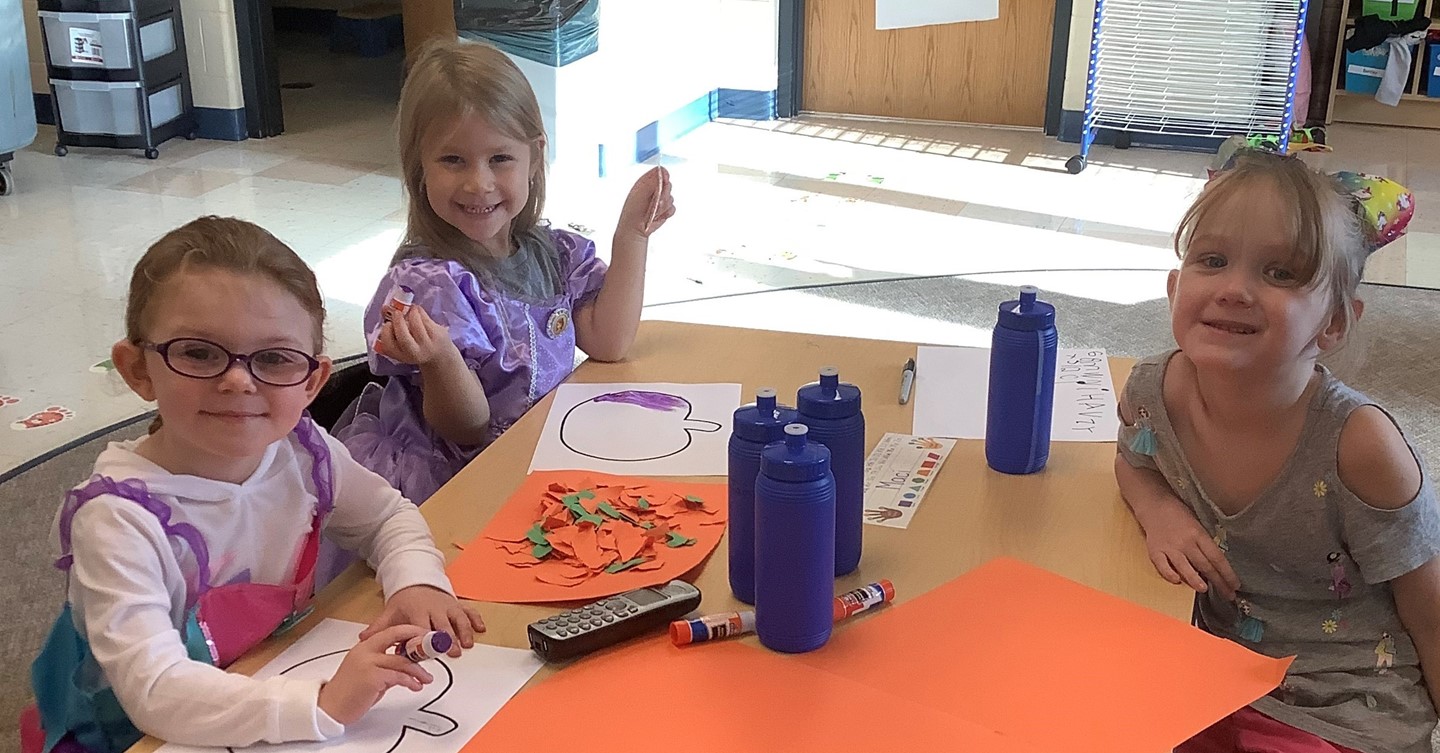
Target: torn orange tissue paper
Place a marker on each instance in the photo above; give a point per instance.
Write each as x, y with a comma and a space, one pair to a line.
1046, 660
1005, 659
568, 536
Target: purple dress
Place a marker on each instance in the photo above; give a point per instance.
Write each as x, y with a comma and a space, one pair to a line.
515, 332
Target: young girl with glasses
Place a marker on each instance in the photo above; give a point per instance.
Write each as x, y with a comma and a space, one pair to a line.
193, 544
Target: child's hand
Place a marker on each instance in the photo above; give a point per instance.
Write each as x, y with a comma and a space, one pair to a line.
431, 609
1183, 552
649, 204
368, 670
414, 338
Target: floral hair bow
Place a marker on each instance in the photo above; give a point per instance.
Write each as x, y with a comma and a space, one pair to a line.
1383, 206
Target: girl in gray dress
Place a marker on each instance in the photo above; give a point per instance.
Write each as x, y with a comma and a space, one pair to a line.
1291, 503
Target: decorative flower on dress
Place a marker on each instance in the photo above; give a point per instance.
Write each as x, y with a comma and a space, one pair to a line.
1321, 488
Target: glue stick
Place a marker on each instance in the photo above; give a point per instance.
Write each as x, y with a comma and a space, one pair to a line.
854, 602
712, 626
401, 299
431, 645
730, 624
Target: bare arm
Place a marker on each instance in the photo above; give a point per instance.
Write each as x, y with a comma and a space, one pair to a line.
1145, 492
605, 329
453, 400
1417, 599
1179, 547
452, 397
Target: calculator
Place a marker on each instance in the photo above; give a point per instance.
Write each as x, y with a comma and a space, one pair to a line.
611, 620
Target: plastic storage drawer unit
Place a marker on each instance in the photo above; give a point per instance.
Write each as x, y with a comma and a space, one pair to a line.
101, 40
114, 108
118, 73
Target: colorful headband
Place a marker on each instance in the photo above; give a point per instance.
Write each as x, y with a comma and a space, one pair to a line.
1383, 206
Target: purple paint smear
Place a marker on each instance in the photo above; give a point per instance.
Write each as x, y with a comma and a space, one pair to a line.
653, 400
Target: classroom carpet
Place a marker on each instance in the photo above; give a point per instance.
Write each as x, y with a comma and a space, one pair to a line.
1393, 358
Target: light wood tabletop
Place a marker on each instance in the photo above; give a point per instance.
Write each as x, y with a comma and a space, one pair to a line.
1068, 519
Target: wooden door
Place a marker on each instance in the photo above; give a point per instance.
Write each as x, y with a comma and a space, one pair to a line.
992, 72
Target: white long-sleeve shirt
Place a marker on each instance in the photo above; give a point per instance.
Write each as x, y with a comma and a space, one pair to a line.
127, 585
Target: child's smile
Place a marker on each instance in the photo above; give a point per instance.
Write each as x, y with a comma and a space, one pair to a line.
219, 427
477, 180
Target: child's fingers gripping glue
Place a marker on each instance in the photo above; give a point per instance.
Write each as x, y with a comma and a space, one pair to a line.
431, 645
401, 299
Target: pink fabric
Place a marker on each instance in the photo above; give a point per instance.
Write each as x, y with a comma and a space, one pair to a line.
1249, 731
236, 617
32, 737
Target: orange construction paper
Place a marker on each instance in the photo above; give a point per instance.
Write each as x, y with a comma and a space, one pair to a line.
1059, 665
720, 697
487, 570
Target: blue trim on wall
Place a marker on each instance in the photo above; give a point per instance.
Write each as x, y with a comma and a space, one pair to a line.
1073, 121
745, 104
44, 108
651, 138
220, 123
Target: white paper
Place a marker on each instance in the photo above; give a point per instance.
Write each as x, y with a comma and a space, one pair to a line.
951, 389
85, 47
441, 718
903, 14
638, 429
898, 472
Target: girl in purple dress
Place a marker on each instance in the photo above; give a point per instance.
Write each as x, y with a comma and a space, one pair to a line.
501, 300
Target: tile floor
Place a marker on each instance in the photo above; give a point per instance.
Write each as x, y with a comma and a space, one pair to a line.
763, 206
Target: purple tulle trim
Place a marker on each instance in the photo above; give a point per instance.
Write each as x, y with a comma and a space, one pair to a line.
321, 472
135, 491
322, 467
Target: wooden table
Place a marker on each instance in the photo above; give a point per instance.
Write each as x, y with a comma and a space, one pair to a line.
1068, 519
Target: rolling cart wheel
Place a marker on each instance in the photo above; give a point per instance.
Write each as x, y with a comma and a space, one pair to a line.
1122, 140
7, 181
60, 150
152, 153
191, 136
1075, 164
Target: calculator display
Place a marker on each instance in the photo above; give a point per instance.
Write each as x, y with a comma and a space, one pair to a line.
645, 596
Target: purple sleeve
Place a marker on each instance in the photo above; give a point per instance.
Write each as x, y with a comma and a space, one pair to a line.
583, 272
449, 294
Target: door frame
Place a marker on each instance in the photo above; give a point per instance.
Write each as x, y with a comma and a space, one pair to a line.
259, 68
1059, 61
790, 59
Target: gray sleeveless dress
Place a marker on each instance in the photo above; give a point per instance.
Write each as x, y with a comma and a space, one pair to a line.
1314, 563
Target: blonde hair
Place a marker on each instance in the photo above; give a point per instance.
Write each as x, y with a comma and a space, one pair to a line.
1326, 238
449, 80
221, 243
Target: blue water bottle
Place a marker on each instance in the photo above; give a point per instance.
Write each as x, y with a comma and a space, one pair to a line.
754, 427
1022, 385
832, 411
794, 544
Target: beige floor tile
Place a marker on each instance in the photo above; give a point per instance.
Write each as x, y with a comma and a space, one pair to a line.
317, 170
177, 181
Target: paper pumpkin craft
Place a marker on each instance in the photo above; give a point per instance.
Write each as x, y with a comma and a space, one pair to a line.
661, 425
569, 536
